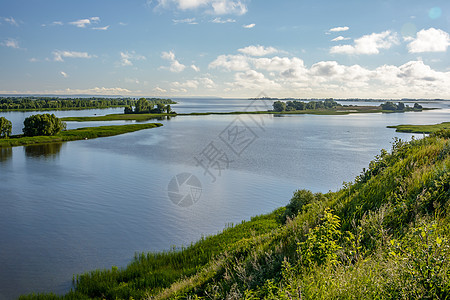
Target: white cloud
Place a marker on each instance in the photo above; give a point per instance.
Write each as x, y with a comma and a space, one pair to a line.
288, 76
159, 90
190, 21
63, 74
175, 65
258, 50
127, 57
207, 82
340, 38
253, 80
219, 20
430, 40
85, 22
11, 21
195, 68
249, 26
217, 7
59, 55
224, 7
231, 63
101, 28
11, 43
339, 29
191, 84
368, 44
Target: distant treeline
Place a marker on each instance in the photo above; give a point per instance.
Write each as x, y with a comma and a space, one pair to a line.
56, 103
300, 105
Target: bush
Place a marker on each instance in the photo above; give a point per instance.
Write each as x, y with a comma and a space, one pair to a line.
297, 203
45, 124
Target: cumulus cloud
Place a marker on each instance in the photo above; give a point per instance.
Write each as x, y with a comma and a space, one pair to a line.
339, 29
249, 26
59, 55
11, 43
159, 90
175, 65
368, 44
82, 23
253, 80
290, 75
127, 58
217, 7
258, 50
430, 40
231, 63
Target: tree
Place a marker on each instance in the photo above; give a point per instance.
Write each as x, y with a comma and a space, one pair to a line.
400, 106
417, 106
5, 128
128, 110
45, 124
141, 106
279, 106
388, 106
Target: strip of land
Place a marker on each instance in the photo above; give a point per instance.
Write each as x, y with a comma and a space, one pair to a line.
145, 117
421, 128
76, 134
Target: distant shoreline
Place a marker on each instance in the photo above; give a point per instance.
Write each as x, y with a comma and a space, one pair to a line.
146, 117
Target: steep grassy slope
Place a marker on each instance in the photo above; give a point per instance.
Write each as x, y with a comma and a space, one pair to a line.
385, 235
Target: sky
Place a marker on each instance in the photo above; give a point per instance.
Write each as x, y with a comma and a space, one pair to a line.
226, 48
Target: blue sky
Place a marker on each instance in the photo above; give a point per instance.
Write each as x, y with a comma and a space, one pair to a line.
226, 48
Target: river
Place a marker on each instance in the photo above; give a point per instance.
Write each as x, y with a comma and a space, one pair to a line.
73, 207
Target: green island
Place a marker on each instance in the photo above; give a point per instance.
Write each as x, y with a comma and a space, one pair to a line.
75, 134
421, 128
386, 235
35, 103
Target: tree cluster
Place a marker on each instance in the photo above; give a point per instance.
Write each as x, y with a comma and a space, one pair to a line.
150, 106
281, 106
45, 124
400, 106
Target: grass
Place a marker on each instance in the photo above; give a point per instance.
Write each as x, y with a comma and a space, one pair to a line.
75, 134
384, 236
421, 128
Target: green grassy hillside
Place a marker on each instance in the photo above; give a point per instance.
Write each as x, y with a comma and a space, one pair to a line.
383, 236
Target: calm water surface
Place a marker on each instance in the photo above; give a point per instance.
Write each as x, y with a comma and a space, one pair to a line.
73, 207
